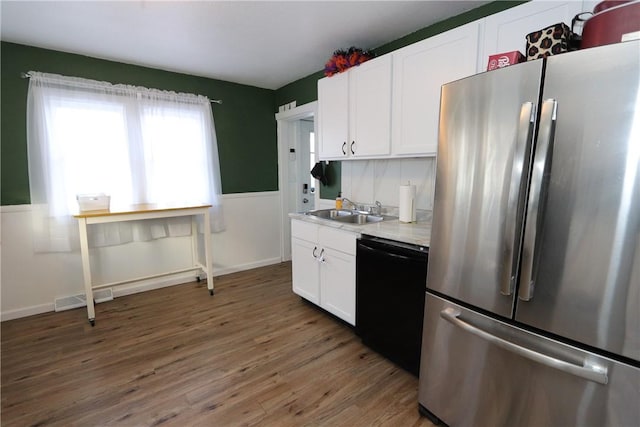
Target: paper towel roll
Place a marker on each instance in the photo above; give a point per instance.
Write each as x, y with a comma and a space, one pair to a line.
407, 207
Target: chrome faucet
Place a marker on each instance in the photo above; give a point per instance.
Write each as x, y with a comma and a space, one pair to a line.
378, 208
353, 205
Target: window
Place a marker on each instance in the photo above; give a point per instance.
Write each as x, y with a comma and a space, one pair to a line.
138, 145
175, 173
87, 144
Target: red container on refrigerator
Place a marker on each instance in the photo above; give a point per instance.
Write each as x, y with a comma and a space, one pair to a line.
500, 60
613, 22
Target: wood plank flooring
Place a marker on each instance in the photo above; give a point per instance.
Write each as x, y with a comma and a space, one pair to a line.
253, 354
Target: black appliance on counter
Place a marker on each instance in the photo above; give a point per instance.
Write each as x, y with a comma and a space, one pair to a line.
390, 286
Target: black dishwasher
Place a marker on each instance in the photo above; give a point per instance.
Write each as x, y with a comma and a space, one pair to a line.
391, 281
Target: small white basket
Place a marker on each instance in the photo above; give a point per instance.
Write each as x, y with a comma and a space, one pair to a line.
93, 202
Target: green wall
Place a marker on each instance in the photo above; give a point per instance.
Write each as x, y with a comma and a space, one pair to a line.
302, 91
245, 124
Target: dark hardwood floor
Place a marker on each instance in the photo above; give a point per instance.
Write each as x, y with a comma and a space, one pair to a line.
253, 354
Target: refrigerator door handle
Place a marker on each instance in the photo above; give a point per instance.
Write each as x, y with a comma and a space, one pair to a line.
537, 197
589, 370
523, 142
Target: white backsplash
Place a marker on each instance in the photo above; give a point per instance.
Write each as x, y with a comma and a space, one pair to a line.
365, 181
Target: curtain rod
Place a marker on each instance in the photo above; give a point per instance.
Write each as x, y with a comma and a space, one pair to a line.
213, 101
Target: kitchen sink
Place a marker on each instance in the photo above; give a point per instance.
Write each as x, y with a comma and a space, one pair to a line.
349, 216
361, 218
330, 213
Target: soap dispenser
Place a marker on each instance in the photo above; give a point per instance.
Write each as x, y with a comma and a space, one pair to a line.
339, 201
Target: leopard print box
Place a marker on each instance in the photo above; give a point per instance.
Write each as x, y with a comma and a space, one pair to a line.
548, 41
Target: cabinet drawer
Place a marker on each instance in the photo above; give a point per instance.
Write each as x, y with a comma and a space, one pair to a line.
339, 240
304, 230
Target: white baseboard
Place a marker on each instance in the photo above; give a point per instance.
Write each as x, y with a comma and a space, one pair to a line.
27, 311
142, 286
248, 266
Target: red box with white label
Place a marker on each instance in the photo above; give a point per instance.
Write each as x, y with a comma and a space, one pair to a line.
501, 60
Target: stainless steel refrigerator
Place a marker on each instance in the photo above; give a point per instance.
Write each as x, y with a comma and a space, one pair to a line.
532, 314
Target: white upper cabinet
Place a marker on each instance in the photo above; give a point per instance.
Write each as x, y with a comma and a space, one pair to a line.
389, 106
506, 31
370, 108
355, 112
419, 71
333, 116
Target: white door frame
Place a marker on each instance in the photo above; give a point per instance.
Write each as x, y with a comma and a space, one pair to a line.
287, 135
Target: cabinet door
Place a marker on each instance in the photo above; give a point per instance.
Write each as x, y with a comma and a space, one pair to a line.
333, 119
370, 108
338, 285
305, 270
506, 31
419, 71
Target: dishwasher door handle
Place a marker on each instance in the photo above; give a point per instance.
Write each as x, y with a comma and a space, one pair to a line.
385, 253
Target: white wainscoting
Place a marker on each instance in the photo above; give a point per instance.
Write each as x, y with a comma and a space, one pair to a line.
30, 282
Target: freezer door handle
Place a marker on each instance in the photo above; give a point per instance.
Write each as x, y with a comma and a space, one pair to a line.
523, 144
537, 197
589, 370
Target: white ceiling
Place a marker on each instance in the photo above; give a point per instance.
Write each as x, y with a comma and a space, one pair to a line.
259, 43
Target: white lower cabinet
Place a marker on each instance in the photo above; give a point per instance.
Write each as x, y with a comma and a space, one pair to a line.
338, 285
324, 267
305, 270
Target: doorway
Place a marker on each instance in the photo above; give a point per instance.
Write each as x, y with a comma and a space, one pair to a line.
297, 154
306, 158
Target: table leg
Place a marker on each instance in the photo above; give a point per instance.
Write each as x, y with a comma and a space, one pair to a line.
86, 270
194, 244
207, 251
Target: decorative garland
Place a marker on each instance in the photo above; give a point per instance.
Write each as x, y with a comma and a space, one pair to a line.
342, 60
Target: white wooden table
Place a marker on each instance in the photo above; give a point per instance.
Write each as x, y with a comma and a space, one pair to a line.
137, 212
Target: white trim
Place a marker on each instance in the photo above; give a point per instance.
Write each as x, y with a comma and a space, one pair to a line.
284, 121
27, 207
247, 266
15, 208
299, 112
142, 286
249, 195
27, 311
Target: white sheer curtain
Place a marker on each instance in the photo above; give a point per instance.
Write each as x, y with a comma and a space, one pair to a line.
136, 144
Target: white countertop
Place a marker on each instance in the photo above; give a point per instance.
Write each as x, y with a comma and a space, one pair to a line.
418, 233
